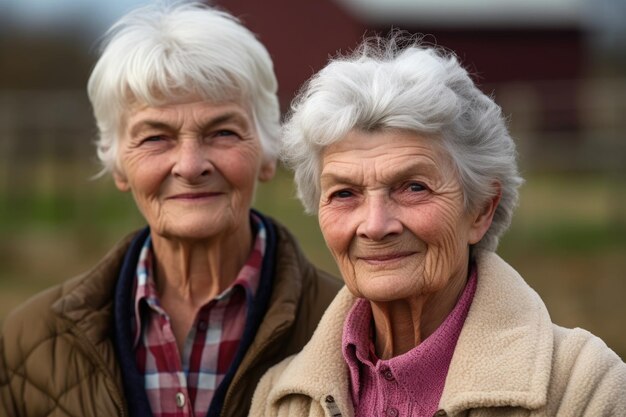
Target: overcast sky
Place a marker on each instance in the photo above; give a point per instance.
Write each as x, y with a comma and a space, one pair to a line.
97, 15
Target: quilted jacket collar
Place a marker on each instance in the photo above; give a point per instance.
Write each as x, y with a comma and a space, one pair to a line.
87, 300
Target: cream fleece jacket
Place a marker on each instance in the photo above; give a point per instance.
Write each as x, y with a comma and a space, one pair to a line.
510, 360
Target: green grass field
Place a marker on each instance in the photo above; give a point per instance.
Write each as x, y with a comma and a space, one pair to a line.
568, 240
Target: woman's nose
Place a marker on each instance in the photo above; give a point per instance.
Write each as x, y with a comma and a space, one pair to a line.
192, 161
379, 220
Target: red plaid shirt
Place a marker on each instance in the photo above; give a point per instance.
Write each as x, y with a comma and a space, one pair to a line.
187, 388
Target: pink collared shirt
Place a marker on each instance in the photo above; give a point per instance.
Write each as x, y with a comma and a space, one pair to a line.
407, 385
186, 388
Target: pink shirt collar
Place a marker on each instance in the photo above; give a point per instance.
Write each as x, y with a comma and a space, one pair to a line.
421, 372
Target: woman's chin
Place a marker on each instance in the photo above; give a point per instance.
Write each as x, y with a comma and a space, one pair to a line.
382, 292
193, 231
198, 225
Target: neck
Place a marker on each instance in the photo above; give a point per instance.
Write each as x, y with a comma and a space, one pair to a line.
401, 325
194, 272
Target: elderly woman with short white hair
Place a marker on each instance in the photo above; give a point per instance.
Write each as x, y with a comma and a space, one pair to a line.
413, 175
183, 317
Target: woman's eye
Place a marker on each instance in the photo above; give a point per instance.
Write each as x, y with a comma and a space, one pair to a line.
415, 187
225, 133
342, 194
155, 138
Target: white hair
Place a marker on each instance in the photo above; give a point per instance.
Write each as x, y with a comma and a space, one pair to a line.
400, 83
160, 54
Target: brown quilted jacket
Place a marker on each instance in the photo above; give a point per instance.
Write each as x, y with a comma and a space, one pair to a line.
57, 358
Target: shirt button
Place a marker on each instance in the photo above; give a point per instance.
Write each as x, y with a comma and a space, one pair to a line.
180, 400
387, 373
202, 325
392, 412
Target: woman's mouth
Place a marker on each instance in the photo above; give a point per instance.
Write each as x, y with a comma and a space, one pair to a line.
194, 196
380, 259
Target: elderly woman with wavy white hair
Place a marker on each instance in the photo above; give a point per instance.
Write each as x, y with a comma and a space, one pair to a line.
413, 175
183, 317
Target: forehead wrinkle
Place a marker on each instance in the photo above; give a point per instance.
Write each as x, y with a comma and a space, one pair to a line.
231, 117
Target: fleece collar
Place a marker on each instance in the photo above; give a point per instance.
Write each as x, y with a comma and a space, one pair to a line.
504, 353
319, 370
502, 357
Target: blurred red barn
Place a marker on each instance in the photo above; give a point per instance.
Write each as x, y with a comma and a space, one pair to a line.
301, 35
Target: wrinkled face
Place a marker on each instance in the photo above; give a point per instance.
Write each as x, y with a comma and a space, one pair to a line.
192, 167
392, 214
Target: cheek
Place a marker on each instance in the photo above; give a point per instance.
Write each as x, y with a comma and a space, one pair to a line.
336, 231
146, 181
441, 226
143, 171
339, 232
241, 168
446, 238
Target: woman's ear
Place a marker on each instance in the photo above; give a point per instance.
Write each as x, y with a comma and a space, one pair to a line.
267, 171
121, 182
483, 218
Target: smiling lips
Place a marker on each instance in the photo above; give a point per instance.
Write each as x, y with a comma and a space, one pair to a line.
385, 258
194, 196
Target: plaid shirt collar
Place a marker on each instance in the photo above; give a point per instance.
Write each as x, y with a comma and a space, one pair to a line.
146, 290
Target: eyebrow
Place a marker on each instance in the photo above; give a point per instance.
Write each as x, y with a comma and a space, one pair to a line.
421, 167
160, 125
335, 178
